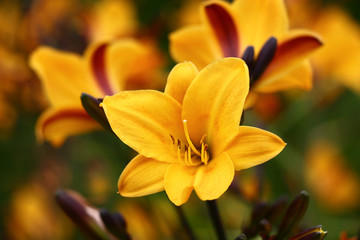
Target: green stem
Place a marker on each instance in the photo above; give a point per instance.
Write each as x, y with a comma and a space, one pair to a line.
185, 223
215, 218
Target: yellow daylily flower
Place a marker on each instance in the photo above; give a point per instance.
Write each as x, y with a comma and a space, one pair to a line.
257, 31
104, 69
189, 136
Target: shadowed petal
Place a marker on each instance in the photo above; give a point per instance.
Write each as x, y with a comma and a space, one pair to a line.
63, 76
299, 77
56, 124
222, 23
253, 146
142, 176
195, 44
290, 53
178, 182
260, 19
213, 179
134, 57
214, 102
179, 80
144, 120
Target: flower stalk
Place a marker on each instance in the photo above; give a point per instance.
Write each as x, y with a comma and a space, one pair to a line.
216, 220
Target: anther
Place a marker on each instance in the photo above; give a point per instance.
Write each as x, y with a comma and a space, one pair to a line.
173, 139
179, 144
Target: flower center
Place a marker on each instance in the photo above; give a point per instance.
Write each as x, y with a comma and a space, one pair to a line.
187, 152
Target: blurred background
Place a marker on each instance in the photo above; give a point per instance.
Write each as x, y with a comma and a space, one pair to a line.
321, 127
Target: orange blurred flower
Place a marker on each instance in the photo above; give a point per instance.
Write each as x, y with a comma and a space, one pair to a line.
334, 184
105, 69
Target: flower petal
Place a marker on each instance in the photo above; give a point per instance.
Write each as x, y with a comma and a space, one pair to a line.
127, 58
195, 44
142, 176
299, 77
144, 120
253, 146
179, 80
213, 179
178, 181
290, 53
96, 57
63, 76
258, 20
56, 124
214, 102
222, 23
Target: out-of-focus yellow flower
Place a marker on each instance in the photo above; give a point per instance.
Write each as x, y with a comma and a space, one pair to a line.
189, 137
104, 69
32, 215
258, 32
110, 19
335, 185
332, 23
150, 220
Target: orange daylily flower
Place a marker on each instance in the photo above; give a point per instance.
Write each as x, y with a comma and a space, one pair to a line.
189, 136
258, 32
104, 69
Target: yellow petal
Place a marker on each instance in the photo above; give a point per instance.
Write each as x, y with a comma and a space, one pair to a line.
142, 176
221, 22
127, 58
98, 62
253, 146
213, 179
178, 183
56, 124
214, 102
144, 120
195, 44
290, 53
179, 80
63, 76
258, 20
299, 77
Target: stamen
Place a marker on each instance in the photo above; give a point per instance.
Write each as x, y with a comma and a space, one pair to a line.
179, 153
202, 139
189, 156
189, 140
206, 155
